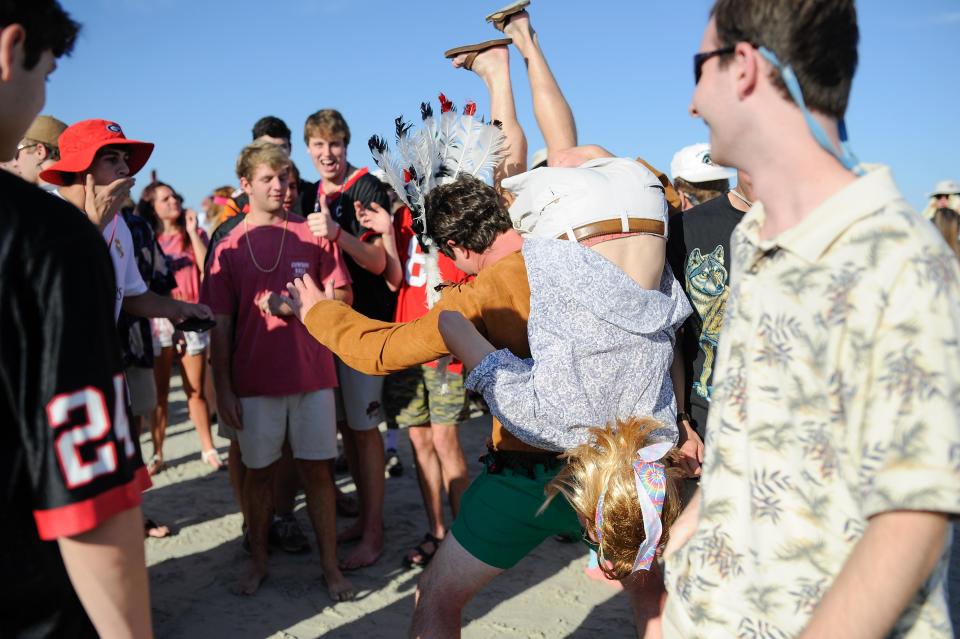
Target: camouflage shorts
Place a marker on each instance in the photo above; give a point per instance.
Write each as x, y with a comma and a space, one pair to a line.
417, 396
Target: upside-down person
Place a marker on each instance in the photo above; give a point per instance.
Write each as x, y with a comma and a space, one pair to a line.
499, 522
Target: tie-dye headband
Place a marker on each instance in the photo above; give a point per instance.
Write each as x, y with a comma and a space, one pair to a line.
650, 476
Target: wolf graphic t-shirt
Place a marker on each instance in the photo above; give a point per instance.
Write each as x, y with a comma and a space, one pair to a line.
699, 254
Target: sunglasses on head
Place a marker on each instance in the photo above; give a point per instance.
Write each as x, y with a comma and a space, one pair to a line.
700, 58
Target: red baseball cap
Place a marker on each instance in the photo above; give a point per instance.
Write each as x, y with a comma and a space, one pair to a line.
80, 142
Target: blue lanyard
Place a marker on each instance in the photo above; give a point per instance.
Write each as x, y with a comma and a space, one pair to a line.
845, 155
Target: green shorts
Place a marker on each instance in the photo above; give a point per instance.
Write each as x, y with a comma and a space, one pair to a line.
417, 396
498, 522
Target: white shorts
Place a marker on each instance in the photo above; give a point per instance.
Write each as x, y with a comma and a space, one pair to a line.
308, 420
143, 390
359, 399
164, 334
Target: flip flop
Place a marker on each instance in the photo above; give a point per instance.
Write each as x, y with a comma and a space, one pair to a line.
425, 556
501, 17
211, 454
474, 50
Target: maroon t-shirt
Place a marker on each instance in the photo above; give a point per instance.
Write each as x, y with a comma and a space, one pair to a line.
272, 355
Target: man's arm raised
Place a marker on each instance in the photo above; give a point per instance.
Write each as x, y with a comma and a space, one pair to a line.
371, 256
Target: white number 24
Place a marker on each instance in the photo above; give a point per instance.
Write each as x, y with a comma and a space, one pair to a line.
92, 427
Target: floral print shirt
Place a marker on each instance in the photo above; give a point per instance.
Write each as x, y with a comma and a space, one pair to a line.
836, 399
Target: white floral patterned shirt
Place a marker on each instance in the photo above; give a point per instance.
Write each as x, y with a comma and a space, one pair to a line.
837, 397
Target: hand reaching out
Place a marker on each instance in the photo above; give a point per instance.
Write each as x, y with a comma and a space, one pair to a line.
185, 311
304, 294
374, 217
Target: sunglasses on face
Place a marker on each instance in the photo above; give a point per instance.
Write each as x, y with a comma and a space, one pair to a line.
25, 145
700, 58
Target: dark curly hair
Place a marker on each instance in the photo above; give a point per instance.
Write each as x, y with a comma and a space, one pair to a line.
48, 27
466, 212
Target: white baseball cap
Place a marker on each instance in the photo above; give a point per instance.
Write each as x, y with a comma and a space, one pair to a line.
693, 164
945, 187
553, 200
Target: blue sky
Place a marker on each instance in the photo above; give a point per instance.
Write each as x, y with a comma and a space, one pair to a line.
194, 75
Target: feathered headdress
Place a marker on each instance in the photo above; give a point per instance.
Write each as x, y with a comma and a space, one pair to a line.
438, 153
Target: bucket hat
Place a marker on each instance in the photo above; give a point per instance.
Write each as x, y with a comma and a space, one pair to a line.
80, 142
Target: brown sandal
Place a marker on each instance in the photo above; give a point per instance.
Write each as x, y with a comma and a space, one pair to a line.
502, 17
475, 49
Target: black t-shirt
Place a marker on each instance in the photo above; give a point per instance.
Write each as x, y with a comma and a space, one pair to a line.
371, 296
67, 459
698, 250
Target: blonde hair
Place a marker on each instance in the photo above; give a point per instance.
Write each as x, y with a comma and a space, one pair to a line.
327, 124
604, 466
948, 222
258, 153
217, 213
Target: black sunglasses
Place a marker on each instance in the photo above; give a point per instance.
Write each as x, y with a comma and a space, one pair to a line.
700, 58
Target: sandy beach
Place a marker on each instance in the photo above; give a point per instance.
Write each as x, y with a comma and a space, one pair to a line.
191, 573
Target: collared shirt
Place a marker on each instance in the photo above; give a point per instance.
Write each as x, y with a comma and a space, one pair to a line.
835, 400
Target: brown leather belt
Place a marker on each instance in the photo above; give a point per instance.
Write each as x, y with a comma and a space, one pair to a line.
609, 227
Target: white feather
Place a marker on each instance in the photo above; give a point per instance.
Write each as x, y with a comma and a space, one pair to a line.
466, 133
394, 172
487, 152
447, 135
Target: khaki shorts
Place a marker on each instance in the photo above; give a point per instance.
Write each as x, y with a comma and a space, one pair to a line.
307, 420
359, 399
143, 390
425, 395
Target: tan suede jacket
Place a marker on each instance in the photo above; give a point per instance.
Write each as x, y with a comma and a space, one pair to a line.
497, 301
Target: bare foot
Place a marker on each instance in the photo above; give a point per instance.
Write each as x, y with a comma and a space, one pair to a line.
366, 554
155, 530
155, 465
353, 532
338, 587
488, 63
252, 578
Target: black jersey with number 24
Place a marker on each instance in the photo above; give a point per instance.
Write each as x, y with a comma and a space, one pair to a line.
68, 461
